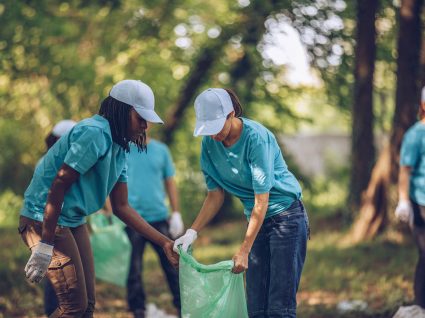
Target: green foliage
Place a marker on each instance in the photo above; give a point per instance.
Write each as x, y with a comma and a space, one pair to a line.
375, 272
10, 206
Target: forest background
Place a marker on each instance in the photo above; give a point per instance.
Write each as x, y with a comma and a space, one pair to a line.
352, 68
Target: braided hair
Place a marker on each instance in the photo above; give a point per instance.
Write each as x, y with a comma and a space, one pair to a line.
118, 115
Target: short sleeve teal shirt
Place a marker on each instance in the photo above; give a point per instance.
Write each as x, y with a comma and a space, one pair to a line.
412, 155
253, 165
88, 148
147, 172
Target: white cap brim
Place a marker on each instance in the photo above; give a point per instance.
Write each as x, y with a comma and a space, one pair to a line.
208, 127
148, 115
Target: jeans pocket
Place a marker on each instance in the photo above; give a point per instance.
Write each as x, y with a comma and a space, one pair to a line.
62, 274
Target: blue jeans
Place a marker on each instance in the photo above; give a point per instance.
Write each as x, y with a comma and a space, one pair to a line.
276, 262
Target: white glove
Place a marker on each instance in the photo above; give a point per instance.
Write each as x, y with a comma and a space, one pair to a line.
404, 211
176, 224
185, 241
39, 262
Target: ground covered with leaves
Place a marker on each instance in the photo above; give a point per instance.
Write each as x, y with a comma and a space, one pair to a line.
378, 272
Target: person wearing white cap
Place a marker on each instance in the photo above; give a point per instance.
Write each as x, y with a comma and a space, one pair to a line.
72, 181
411, 193
60, 129
242, 157
150, 180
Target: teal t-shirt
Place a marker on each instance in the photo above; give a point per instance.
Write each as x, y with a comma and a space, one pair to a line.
88, 148
253, 165
412, 155
147, 172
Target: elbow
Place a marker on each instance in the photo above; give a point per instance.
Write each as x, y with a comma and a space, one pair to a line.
216, 196
118, 209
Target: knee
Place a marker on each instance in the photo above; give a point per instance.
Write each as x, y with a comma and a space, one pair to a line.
77, 308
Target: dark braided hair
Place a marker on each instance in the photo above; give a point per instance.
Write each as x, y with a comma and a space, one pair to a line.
118, 115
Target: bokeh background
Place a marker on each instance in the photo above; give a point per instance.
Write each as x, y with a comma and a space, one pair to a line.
338, 81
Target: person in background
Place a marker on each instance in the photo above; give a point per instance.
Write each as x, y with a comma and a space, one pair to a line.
150, 177
60, 129
411, 193
242, 157
72, 181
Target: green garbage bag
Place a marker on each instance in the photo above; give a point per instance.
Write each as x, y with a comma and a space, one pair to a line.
210, 291
111, 248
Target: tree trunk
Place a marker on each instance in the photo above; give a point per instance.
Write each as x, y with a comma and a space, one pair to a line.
408, 66
362, 146
373, 211
250, 27
422, 76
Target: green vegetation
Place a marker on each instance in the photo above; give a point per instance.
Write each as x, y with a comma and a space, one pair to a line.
379, 272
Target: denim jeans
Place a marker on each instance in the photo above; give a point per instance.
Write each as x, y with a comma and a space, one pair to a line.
136, 296
276, 262
419, 236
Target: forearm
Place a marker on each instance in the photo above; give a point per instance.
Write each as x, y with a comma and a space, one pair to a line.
171, 187
255, 222
210, 207
403, 183
51, 215
65, 177
131, 218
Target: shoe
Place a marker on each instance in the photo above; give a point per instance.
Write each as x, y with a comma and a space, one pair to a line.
139, 313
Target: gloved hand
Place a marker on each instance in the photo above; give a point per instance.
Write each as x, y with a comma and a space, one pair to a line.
185, 241
39, 262
176, 225
404, 211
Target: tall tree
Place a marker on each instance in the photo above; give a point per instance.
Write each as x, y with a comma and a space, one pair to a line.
362, 146
373, 211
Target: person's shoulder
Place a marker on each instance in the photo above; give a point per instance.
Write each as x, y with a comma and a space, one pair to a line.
95, 125
157, 144
416, 131
256, 132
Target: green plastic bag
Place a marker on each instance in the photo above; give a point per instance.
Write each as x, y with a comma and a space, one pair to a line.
111, 248
210, 291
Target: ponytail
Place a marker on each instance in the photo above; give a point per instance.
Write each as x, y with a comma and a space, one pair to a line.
236, 103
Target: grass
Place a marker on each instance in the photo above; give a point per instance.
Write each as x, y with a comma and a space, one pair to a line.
379, 272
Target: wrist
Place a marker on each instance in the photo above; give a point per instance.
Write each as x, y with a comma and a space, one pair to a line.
244, 250
192, 233
164, 242
45, 248
403, 202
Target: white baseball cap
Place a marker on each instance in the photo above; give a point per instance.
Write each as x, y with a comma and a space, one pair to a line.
62, 127
211, 107
139, 95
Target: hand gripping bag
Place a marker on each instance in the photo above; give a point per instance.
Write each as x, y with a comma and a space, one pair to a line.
111, 248
210, 291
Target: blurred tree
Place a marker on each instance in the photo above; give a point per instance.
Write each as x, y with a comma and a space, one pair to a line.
373, 212
362, 145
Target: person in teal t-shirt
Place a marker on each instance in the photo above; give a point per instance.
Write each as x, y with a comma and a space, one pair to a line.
60, 129
242, 157
72, 181
150, 178
411, 190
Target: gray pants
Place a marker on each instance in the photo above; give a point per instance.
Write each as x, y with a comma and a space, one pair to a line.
71, 271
